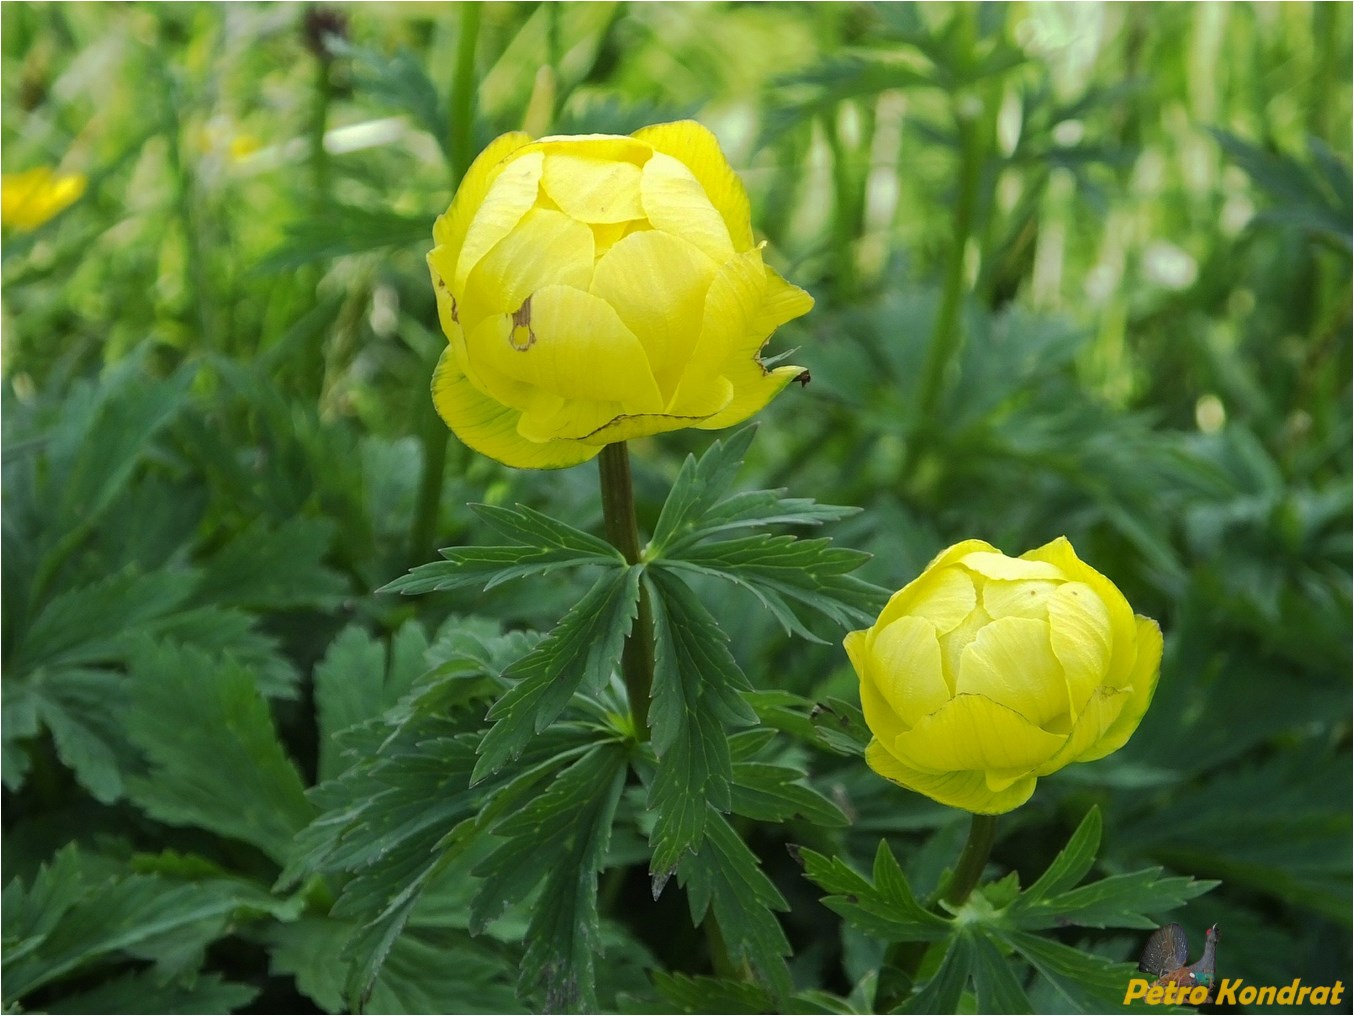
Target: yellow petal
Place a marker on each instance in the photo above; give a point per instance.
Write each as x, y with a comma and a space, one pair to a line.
733, 305
1024, 598
447, 310
570, 344
31, 198
901, 602
904, 666
509, 197
974, 732
626, 427
606, 147
945, 598
450, 228
998, 566
966, 790
545, 248
675, 202
781, 302
1142, 686
490, 428
657, 283
1011, 662
551, 418
1096, 717
1060, 554
1079, 628
753, 388
696, 148
592, 190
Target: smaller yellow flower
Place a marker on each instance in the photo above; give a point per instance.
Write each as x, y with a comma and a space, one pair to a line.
987, 672
30, 198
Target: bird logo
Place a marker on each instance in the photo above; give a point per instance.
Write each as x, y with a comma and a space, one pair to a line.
1167, 952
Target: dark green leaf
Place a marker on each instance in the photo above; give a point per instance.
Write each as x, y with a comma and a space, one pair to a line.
782, 571
353, 684
995, 984
713, 994
1071, 864
1088, 982
886, 909
543, 545
218, 764
273, 569
146, 991
582, 650
562, 835
695, 700
724, 875
1120, 901
774, 793
943, 991
699, 486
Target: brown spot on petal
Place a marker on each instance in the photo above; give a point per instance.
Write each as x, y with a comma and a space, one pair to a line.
522, 338
804, 379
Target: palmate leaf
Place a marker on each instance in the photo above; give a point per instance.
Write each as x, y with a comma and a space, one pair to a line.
438, 970
695, 700
942, 992
354, 683
1090, 983
884, 908
782, 572
74, 915
215, 758
724, 876
1120, 901
563, 835
581, 651
146, 991
541, 545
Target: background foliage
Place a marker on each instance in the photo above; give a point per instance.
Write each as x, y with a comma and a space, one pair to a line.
1080, 269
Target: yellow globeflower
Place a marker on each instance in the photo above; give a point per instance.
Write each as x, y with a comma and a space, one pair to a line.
987, 672
30, 198
599, 288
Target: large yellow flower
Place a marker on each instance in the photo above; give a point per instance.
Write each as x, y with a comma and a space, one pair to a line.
598, 288
30, 198
987, 672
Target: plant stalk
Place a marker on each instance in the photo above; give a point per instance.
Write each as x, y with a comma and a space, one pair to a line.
460, 152
907, 956
946, 333
982, 832
618, 514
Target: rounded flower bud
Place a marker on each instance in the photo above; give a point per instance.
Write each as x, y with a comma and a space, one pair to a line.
599, 288
987, 672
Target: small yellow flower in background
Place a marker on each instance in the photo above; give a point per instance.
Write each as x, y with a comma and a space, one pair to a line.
599, 288
30, 198
987, 672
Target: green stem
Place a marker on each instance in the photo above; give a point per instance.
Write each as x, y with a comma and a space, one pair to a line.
946, 333
907, 956
972, 860
460, 151
618, 514
461, 148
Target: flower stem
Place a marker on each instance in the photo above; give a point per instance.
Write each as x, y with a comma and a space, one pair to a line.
462, 137
460, 151
618, 514
907, 956
972, 859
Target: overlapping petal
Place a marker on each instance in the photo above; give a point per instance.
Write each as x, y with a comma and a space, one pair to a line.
987, 672
654, 231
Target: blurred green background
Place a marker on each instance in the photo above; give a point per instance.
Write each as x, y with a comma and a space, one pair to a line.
1081, 269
